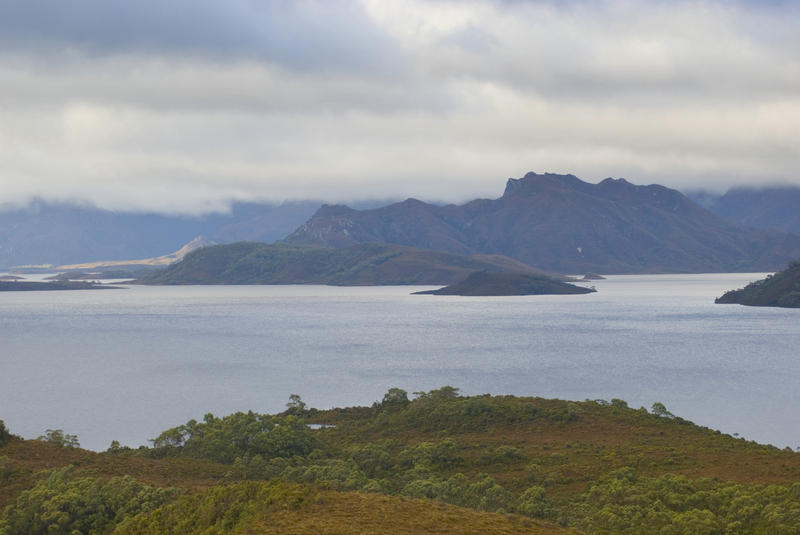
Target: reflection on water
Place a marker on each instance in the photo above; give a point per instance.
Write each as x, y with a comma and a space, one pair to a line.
126, 365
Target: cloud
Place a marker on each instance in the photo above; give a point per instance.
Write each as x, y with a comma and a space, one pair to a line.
302, 34
183, 106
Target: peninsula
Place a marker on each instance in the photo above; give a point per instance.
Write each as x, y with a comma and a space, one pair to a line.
779, 290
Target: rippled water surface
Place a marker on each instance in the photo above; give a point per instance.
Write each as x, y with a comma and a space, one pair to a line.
127, 364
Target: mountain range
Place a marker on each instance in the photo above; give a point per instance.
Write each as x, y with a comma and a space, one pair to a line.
555, 222
560, 223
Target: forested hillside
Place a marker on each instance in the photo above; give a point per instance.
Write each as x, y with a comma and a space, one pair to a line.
781, 289
439, 462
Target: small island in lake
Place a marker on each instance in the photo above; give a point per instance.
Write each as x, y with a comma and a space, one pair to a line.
484, 283
779, 290
30, 286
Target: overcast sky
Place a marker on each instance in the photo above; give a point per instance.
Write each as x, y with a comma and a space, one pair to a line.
181, 106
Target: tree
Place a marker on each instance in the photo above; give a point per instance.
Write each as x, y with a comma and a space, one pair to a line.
395, 397
444, 393
296, 405
59, 438
64, 503
5, 435
659, 409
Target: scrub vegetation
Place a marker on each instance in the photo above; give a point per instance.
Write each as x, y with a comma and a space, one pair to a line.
428, 462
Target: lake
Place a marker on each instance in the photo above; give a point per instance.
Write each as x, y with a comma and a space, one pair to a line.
127, 364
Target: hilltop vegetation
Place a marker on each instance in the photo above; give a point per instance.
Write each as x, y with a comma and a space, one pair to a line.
364, 264
779, 290
502, 464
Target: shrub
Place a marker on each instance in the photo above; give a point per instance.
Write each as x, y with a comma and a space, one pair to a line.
5, 435
63, 503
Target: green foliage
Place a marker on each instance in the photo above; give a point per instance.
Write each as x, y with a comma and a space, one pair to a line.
444, 411
296, 405
395, 397
623, 503
338, 474
59, 438
237, 435
63, 503
375, 461
533, 502
6, 470
484, 494
442, 394
619, 403
781, 289
218, 511
485, 453
659, 409
5, 434
430, 455
116, 448
504, 455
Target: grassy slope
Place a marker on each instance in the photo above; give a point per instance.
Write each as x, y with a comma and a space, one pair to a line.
27, 457
258, 507
574, 451
267, 508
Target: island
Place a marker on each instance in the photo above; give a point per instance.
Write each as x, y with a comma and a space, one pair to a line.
484, 283
30, 286
779, 290
365, 264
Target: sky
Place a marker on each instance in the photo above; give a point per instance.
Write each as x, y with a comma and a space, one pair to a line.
184, 106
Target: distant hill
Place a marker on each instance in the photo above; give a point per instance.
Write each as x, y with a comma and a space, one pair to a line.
483, 283
560, 223
770, 207
60, 233
363, 264
779, 290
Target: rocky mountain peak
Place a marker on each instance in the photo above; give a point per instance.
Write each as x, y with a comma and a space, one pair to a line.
533, 183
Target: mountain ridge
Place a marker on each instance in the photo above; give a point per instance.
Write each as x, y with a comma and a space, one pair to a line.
563, 224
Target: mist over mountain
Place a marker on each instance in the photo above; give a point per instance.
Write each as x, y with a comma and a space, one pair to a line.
776, 207
563, 224
55, 233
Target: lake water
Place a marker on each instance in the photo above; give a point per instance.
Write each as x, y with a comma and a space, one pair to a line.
127, 364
